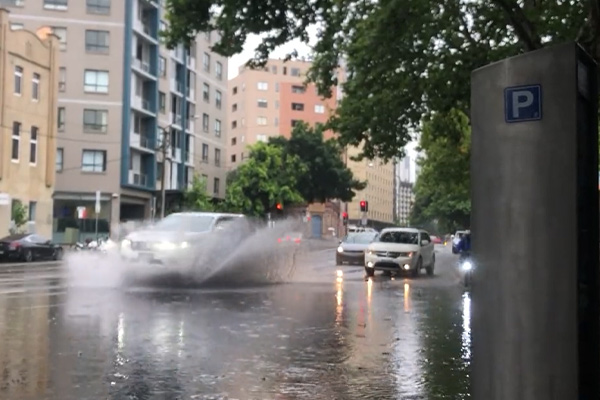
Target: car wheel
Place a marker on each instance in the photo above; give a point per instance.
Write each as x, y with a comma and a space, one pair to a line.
27, 255
418, 268
430, 269
58, 254
370, 271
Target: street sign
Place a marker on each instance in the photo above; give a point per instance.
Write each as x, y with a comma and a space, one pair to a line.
523, 103
98, 206
4, 199
81, 212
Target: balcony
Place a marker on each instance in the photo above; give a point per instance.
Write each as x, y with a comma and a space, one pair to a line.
178, 53
189, 157
176, 154
141, 104
138, 179
176, 87
176, 119
141, 142
145, 30
191, 62
190, 94
190, 125
143, 67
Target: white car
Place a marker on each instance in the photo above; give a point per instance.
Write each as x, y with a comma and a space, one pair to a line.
400, 249
166, 240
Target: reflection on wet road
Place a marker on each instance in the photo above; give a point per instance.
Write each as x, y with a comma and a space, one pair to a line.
335, 337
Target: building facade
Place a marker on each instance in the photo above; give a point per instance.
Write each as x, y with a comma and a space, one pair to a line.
121, 96
28, 101
404, 191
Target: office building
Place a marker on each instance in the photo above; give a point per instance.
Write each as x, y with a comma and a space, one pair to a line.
404, 192
28, 100
119, 88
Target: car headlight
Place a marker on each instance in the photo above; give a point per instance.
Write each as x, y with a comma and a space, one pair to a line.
126, 243
467, 266
340, 249
184, 245
369, 251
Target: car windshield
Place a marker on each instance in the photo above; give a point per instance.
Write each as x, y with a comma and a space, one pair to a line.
188, 223
399, 237
360, 238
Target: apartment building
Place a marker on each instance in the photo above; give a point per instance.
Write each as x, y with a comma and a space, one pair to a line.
268, 102
28, 100
404, 191
121, 96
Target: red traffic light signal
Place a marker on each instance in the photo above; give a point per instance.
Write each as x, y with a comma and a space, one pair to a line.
344, 215
364, 206
279, 206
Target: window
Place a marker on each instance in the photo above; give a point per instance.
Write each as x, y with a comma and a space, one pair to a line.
93, 161
206, 92
98, 7
285, 70
206, 62
55, 4
15, 26
235, 90
233, 124
32, 210
216, 185
261, 138
277, 87
295, 122
59, 159
16, 139
262, 121
274, 69
205, 122
61, 32
233, 141
233, 158
262, 86
297, 106
218, 99
295, 71
162, 102
276, 121
204, 153
18, 80
218, 127
60, 119
62, 79
234, 107
277, 104
219, 70
33, 142
95, 121
298, 89
95, 81
218, 157
162, 66
262, 103
35, 87
319, 108
97, 41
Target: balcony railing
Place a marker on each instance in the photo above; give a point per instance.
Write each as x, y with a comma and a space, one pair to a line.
189, 125
176, 119
146, 142
176, 86
143, 65
137, 178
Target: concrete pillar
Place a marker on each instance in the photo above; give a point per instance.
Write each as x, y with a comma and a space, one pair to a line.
534, 178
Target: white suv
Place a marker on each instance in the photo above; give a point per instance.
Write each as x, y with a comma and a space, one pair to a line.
400, 249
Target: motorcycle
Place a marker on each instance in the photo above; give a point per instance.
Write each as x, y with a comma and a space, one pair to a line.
466, 267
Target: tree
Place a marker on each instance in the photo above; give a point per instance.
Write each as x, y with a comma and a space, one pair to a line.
404, 59
18, 215
196, 197
268, 177
442, 191
326, 176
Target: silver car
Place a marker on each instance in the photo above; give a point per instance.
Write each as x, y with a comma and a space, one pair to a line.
170, 237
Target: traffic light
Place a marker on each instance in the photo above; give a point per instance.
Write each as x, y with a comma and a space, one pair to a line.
345, 218
364, 206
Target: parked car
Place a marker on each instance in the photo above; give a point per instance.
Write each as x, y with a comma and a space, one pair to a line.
29, 247
400, 249
436, 239
352, 248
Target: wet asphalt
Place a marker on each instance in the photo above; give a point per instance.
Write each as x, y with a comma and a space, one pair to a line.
329, 334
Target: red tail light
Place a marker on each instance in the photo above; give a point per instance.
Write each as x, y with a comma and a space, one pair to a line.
297, 240
287, 238
279, 240
15, 245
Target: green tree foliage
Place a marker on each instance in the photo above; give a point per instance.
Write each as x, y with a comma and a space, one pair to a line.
196, 198
404, 58
442, 189
18, 214
269, 176
326, 176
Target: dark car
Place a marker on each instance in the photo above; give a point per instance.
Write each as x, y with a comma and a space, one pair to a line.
352, 248
29, 247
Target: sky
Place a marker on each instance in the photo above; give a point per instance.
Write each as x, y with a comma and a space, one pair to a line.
303, 50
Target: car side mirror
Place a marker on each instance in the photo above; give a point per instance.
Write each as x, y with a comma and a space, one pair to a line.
424, 242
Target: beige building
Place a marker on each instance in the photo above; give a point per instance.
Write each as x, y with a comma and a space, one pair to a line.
28, 101
119, 87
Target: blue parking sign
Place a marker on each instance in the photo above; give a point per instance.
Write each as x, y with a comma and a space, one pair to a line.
523, 103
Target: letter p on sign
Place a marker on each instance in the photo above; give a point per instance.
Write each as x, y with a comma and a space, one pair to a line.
523, 103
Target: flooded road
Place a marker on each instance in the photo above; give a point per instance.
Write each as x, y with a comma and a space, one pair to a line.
330, 335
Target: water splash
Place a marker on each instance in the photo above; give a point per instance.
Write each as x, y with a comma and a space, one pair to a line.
243, 254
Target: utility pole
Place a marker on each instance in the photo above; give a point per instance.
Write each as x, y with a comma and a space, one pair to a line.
164, 147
